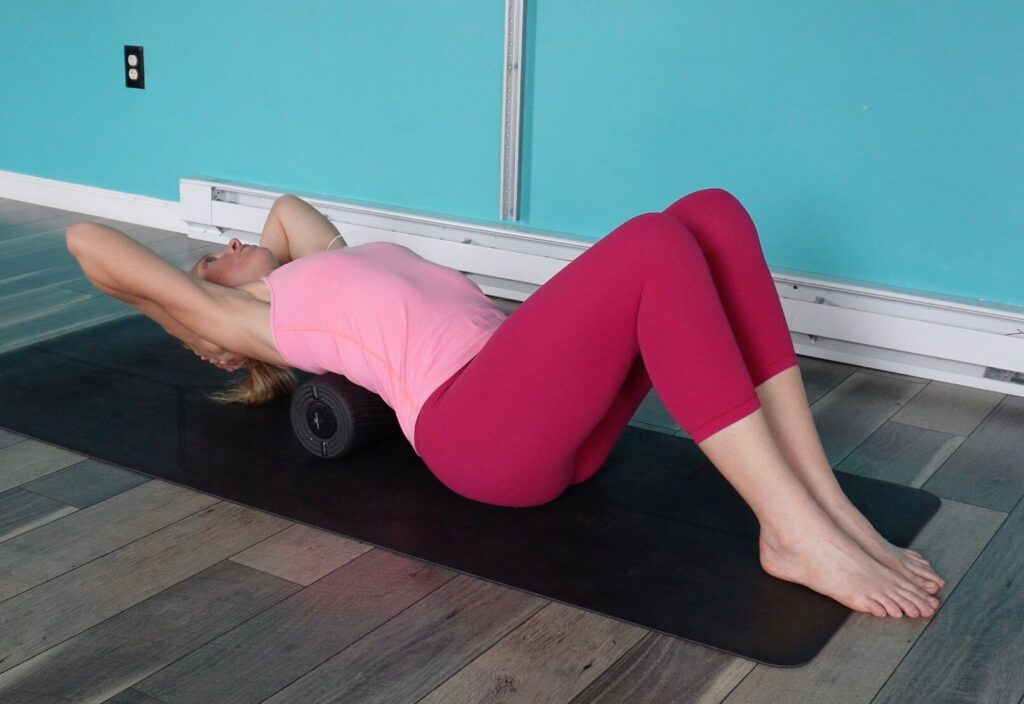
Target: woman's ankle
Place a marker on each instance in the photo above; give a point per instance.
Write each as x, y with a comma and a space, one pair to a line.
787, 528
850, 519
822, 485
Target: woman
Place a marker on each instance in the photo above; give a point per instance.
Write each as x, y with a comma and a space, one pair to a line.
512, 411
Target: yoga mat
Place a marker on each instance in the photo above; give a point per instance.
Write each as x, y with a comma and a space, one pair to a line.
656, 538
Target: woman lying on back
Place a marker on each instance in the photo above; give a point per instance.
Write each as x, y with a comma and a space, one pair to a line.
513, 411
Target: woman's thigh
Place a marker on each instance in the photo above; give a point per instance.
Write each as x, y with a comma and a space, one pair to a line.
507, 428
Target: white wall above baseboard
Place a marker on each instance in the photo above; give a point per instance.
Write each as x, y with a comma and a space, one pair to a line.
947, 338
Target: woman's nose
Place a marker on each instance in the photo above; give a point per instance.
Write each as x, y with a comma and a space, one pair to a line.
234, 245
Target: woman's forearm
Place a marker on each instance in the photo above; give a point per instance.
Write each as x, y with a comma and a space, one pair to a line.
168, 322
101, 273
153, 311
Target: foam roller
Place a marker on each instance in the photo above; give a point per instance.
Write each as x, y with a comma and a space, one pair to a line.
332, 416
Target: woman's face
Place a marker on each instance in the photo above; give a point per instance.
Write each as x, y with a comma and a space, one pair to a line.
237, 264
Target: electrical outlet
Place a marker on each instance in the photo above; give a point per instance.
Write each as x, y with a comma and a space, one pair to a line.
134, 74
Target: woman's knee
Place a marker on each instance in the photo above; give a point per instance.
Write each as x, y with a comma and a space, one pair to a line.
720, 197
660, 235
647, 243
713, 199
720, 223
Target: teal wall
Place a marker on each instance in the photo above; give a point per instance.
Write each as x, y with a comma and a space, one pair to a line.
874, 141
379, 100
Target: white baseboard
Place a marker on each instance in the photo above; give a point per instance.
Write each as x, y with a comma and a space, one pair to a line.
98, 202
947, 338
909, 332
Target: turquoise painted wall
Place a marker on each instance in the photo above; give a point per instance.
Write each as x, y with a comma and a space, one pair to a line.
874, 141
386, 101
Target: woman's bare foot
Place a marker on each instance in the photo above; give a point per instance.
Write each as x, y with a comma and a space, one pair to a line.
794, 433
818, 554
909, 563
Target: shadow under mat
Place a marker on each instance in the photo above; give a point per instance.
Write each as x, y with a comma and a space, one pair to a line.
656, 538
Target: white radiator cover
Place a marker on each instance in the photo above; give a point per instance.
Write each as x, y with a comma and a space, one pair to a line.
949, 339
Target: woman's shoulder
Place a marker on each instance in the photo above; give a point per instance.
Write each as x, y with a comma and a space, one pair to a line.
253, 313
259, 290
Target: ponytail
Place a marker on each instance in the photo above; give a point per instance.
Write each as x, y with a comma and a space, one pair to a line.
261, 384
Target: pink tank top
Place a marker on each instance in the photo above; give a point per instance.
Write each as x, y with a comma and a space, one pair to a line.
382, 316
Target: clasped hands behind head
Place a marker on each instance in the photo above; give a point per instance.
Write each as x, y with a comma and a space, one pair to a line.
217, 356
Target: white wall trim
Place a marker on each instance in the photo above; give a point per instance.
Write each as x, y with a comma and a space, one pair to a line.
958, 340
97, 202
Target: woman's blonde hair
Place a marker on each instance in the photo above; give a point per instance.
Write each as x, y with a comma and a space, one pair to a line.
262, 383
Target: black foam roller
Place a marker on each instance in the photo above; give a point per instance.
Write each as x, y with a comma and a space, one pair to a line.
332, 416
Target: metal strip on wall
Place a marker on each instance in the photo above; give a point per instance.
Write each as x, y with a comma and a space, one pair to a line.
510, 109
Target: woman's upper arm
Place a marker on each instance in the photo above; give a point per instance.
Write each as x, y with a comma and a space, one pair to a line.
274, 239
111, 258
307, 230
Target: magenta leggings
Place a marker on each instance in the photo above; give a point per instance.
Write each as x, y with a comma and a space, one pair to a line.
682, 300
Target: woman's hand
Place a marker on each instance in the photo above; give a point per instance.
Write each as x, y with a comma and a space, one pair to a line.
217, 356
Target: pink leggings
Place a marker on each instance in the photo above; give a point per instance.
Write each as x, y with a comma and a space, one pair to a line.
683, 299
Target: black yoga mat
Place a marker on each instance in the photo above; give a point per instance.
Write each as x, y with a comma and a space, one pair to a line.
656, 538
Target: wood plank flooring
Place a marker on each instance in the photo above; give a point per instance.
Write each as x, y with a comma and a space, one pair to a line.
115, 587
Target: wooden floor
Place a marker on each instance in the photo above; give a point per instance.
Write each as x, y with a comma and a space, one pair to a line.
120, 588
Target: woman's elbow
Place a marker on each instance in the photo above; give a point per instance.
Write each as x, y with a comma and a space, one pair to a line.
74, 237
81, 243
